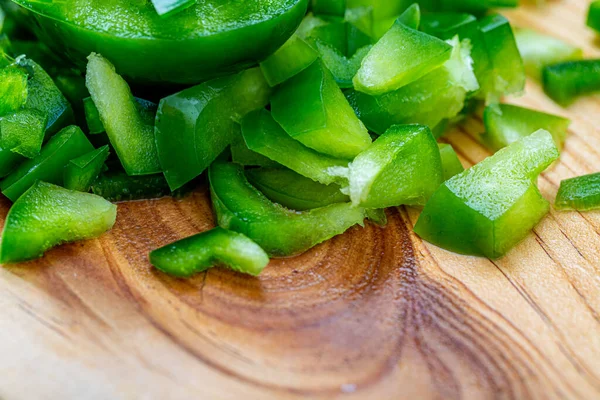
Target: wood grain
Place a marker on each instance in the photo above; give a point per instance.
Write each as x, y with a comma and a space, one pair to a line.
372, 314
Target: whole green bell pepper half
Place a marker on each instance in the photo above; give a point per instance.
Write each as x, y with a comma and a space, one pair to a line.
216, 247
13, 90
593, 17
489, 208
451, 165
22, 132
581, 193
312, 109
48, 215
564, 82
49, 165
82, 171
292, 58
294, 191
117, 186
506, 123
209, 39
402, 167
196, 125
281, 232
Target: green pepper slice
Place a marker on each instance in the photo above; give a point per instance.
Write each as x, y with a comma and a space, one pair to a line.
593, 17
48, 215
329, 7
166, 8
292, 58
117, 186
13, 90
581, 193
146, 109
342, 68
22, 132
82, 171
451, 165
564, 82
241, 154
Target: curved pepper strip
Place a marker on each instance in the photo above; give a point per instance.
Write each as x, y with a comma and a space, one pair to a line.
566, 81
581, 193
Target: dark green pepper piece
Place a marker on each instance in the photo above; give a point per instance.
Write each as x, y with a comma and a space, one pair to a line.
146, 109
22, 132
565, 82
593, 17
241, 154
118, 186
81, 172
292, 58
581, 193
329, 7
451, 165
342, 68
445, 25
48, 215
13, 90
9, 161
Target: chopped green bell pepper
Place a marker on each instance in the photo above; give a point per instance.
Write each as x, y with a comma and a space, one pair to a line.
292, 58
13, 90
472, 6
48, 166
593, 17
81, 172
382, 9
312, 109
451, 165
566, 81
166, 8
342, 68
294, 191
505, 124
22, 132
48, 215
581, 193
147, 110
411, 17
217, 246
241, 154
265, 136
240, 207
489, 208
9, 161
117, 186
445, 25
329, 7
196, 125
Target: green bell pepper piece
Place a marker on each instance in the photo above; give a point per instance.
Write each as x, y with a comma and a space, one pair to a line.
265, 136
13, 90
147, 110
445, 25
294, 191
382, 9
471, 6
429, 100
117, 186
48, 215
48, 166
566, 81
201, 252
505, 124
312, 109
400, 57
9, 161
81, 172
22, 132
342, 68
166, 8
240, 207
329, 7
539, 50
451, 165
402, 167
342, 35
292, 58
209, 39
489, 208
132, 138
241, 154
362, 19
581, 193
196, 125
593, 17
5, 43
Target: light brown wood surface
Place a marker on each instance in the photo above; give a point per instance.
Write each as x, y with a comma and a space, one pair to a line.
373, 314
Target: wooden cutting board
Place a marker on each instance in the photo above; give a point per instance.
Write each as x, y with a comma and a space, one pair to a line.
373, 314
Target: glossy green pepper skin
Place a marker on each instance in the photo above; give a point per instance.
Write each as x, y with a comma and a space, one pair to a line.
281, 232
451, 165
82, 171
489, 208
581, 193
209, 39
117, 186
22, 132
215, 247
48, 215
292, 58
566, 81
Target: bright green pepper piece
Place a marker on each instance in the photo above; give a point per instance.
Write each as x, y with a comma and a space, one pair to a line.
342, 68
445, 25
292, 58
402, 167
566, 81
342, 35
491, 207
593, 17
411, 17
505, 124
132, 139
13, 90
472, 6
240, 207
48, 215
147, 110
48, 166
118, 186
382, 9
294, 191
82, 171
166, 8
209, 39
196, 125
329, 7
581, 193
22, 132
201, 252
400, 57
265, 136
313, 110
539, 50
451, 165
241, 154
9, 161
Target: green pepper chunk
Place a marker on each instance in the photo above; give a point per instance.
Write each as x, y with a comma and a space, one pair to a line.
241, 154
382, 9
166, 8
411, 17
489, 208
132, 139
22, 132
196, 125
13, 90
445, 25
48, 166
240, 207
342, 68
201, 252
581, 193
402, 167
539, 50
400, 57
312, 109
82, 171
147, 110
294, 191
593, 17
48, 215
9, 161
451, 165
211, 38
566, 81
265, 136
472, 6
117, 186
505, 124
292, 58
329, 7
